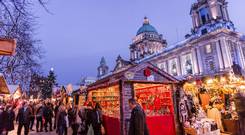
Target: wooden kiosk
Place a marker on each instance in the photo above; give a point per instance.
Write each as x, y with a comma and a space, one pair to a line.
152, 88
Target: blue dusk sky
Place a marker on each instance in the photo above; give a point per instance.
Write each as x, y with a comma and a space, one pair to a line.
79, 32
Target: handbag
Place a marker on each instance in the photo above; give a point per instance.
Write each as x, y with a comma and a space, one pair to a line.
90, 130
102, 130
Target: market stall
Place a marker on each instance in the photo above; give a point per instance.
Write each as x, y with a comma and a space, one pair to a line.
214, 97
153, 90
79, 95
15, 91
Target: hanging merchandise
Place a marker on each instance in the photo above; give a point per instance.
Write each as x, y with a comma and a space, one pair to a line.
220, 91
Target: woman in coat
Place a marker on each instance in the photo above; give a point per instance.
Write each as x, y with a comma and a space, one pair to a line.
2, 119
97, 119
62, 121
10, 119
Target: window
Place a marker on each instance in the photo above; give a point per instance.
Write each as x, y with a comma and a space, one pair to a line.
188, 65
204, 14
204, 31
208, 48
211, 65
174, 68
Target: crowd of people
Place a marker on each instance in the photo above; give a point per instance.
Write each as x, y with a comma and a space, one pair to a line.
50, 116
83, 120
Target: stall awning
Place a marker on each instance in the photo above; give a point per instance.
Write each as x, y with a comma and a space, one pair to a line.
7, 46
3, 85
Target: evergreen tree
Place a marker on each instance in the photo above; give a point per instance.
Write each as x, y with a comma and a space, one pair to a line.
48, 85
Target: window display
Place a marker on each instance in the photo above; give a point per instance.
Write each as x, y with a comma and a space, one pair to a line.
156, 100
109, 100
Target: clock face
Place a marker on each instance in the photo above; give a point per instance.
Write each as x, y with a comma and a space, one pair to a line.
129, 75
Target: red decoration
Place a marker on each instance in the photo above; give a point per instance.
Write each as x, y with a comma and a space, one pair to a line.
147, 72
199, 82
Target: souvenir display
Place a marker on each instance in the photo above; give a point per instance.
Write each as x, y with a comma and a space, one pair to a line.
216, 97
155, 100
108, 99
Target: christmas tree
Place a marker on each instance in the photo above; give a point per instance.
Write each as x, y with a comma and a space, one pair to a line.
48, 84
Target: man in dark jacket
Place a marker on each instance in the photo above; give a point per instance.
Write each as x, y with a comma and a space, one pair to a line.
138, 119
48, 115
39, 118
96, 119
32, 117
23, 117
10, 119
3, 116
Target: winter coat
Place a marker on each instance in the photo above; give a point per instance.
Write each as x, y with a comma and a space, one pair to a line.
47, 113
61, 120
23, 116
39, 112
73, 116
138, 122
10, 120
3, 116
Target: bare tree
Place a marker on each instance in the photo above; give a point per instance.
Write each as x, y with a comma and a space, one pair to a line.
17, 22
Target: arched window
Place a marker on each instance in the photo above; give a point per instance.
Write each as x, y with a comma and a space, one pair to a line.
174, 68
204, 15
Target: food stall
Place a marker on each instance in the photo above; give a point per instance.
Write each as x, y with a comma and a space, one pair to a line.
217, 93
79, 95
151, 87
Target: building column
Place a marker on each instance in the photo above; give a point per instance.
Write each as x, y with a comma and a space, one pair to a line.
199, 60
220, 59
194, 61
179, 67
226, 53
240, 56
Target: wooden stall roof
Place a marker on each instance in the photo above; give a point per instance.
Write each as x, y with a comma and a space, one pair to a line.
115, 77
3, 85
7, 46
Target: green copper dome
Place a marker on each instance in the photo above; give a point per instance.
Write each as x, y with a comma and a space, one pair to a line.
146, 27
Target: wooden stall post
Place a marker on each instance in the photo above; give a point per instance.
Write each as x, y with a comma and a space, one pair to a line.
126, 91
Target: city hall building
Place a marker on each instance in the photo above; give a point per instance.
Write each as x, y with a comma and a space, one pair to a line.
212, 48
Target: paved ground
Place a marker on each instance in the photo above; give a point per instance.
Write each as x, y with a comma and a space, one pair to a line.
14, 132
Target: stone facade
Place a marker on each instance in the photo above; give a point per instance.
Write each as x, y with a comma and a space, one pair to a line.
212, 47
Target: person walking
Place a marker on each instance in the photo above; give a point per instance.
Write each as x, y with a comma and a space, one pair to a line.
48, 115
89, 113
23, 118
32, 117
138, 119
39, 117
97, 119
62, 121
10, 119
56, 109
3, 116
73, 114
82, 115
